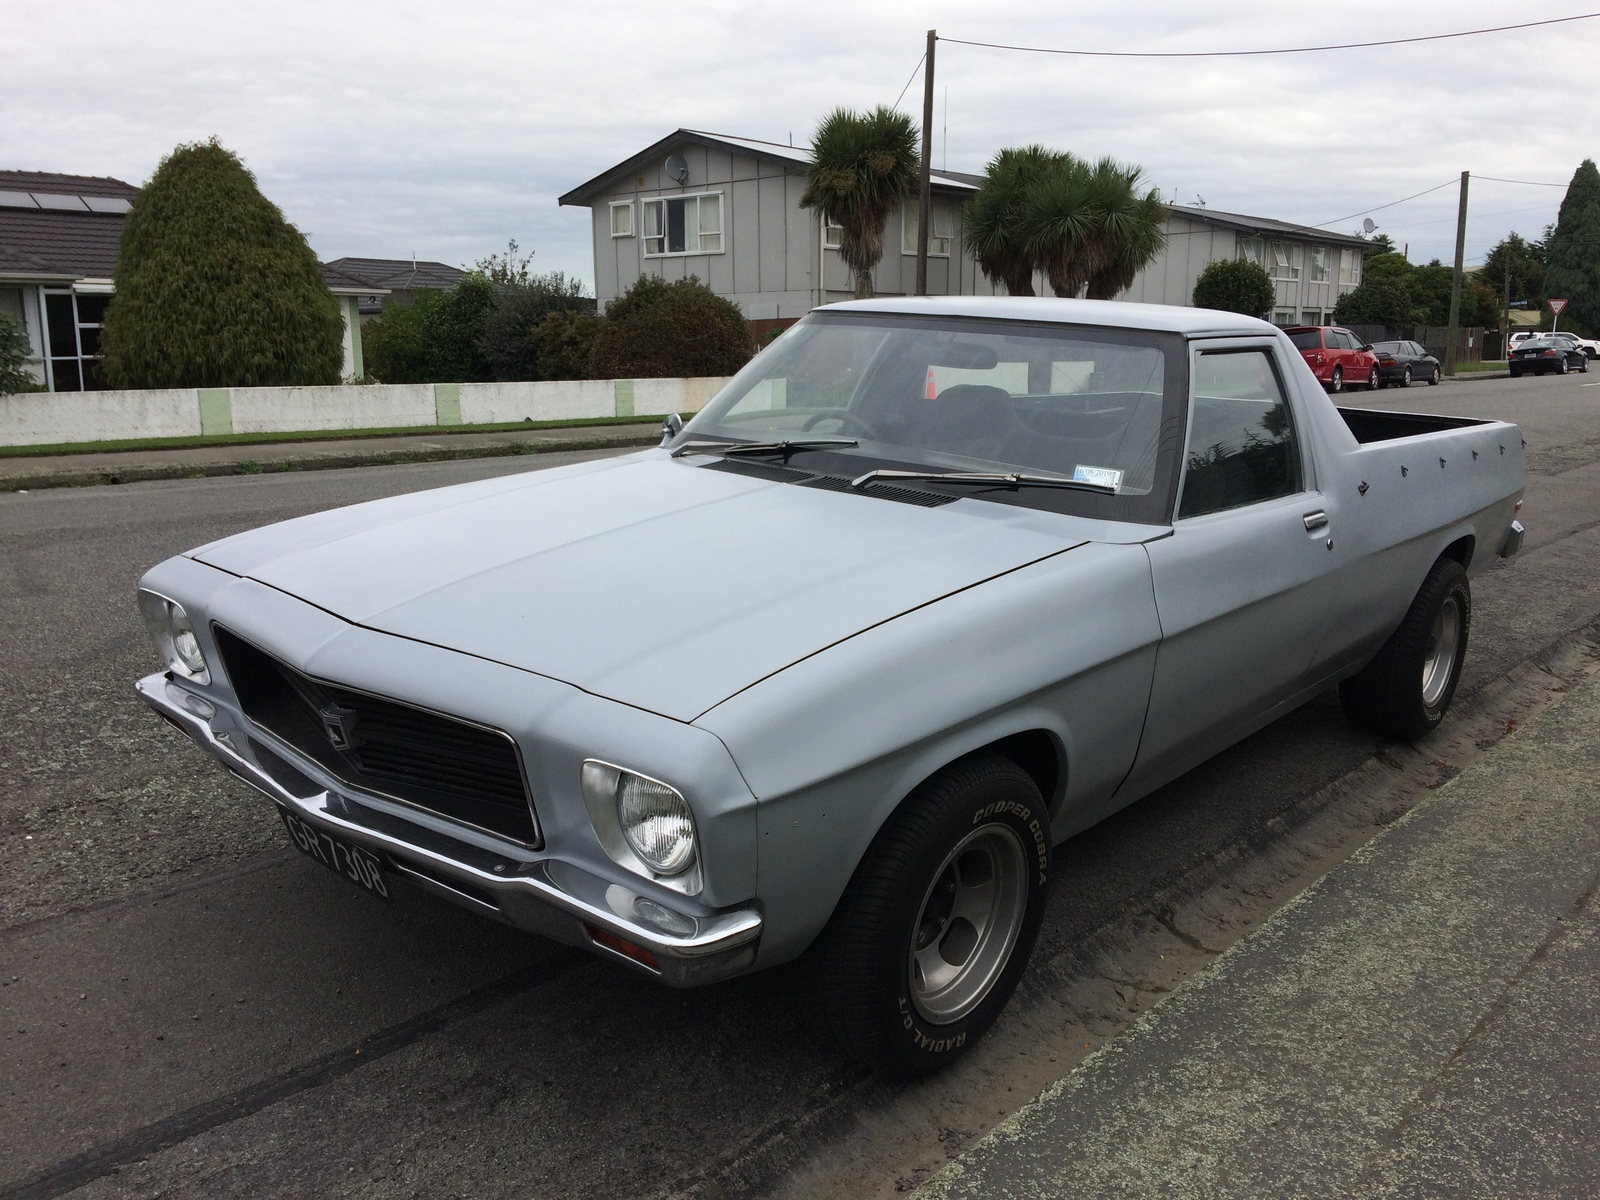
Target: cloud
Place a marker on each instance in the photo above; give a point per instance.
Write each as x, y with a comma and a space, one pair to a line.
445, 130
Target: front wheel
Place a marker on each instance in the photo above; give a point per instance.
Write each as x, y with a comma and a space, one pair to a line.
1375, 380
935, 929
1406, 689
1336, 381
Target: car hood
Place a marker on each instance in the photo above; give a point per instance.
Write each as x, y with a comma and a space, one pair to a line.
661, 583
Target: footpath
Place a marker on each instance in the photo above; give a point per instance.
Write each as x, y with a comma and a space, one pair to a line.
27, 472
1424, 1021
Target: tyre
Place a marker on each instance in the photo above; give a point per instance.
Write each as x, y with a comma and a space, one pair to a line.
1406, 689
1583, 367
1515, 374
1433, 380
1336, 381
936, 926
1375, 380
1561, 365
1405, 376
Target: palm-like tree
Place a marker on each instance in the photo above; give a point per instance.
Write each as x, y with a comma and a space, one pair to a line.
994, 224
1060, 219
862, 166
1131, 229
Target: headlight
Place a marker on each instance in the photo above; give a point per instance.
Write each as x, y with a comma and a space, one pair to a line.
174, 636
652, 817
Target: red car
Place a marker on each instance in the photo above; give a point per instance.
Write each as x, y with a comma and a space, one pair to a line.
1336, 356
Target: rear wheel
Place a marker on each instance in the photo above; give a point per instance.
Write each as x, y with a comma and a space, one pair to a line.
1406, 689
936, 927
1405, 376
1336, 381
1561, 365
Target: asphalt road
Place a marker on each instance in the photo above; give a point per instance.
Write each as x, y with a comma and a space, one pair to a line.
190, 1009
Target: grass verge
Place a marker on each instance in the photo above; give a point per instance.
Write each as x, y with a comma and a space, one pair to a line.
312, 435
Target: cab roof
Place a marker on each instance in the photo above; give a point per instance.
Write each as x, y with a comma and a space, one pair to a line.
1113, 314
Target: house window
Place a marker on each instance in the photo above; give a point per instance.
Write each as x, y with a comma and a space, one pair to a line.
622, 218
72, 339
832, 235
683, 225
1319, 264
1350, 267
1283, 260
1284, 316
938, 239
1251, 249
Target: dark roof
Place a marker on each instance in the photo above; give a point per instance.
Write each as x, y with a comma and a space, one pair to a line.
394, 274
1265, 226
337, 280
792, 158
69, 185
61, 244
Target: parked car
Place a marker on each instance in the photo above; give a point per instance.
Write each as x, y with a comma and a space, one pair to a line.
1548, 356
1401, 362
928, 588
1589, 347
1520, 336
1337, 357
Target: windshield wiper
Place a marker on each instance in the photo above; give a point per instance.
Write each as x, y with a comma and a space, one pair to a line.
785, 447
1011, 479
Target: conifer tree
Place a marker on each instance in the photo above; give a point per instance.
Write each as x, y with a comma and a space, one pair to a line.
1573, 270
214, 287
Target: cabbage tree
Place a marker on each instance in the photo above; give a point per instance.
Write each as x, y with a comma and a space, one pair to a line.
863, 166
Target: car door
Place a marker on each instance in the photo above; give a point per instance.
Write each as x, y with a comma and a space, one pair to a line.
1241, 584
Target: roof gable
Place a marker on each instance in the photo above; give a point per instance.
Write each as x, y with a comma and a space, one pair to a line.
1264, 226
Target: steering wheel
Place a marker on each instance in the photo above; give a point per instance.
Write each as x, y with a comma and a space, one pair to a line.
849, 422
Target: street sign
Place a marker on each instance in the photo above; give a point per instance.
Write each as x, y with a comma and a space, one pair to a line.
1557, 305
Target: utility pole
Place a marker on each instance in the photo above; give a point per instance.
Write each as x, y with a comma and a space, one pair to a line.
1454, 331
925, 200
1505, 329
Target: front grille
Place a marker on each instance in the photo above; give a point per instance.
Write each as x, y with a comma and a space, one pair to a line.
446, 766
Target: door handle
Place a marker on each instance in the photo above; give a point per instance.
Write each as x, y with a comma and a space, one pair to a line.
1316, 521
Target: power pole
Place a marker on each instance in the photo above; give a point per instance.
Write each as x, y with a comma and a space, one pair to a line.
925, 200
1454, 331
1505, 329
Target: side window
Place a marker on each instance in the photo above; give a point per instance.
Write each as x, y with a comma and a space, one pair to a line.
1241, 447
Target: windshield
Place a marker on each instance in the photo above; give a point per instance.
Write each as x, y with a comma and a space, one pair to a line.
1308, 339
958, 394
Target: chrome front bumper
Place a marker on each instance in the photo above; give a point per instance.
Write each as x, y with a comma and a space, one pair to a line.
548, 896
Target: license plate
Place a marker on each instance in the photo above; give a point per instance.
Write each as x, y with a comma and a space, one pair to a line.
343, 858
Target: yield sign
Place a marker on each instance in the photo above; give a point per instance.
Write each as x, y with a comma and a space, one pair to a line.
1556, 306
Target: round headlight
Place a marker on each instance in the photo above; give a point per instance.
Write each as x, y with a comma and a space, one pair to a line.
657, 823
184, 644
174, 637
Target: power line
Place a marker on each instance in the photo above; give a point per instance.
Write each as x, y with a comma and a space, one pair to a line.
1381, 207
1524, 182
1431, 37
907, 88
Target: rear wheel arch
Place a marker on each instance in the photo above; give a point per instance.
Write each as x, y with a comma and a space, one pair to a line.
1461, 550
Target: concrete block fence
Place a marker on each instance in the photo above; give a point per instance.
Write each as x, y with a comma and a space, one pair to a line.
52, 418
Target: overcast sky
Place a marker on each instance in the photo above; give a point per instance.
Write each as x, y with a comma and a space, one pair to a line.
443, 130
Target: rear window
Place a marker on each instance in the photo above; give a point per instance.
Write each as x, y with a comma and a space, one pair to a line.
1309, 339
1386, 347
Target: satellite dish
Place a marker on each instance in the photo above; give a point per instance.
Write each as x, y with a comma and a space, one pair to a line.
1367, 226
677, 167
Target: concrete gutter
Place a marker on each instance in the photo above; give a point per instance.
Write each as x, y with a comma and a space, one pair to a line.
24, 473
1425, 1020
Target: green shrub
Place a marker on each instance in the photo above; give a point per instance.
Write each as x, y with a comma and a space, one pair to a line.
511, 331
392, 346
667, 330
452, 332
564, 343
1380, 300
1235, 285
214, 287
14, 352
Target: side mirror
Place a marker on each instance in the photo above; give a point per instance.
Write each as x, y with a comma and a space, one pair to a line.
671, 427
1367, 348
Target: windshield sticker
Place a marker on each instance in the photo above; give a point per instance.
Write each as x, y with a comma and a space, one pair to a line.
1104, 476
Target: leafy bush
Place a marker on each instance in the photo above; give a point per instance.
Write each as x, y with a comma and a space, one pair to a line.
14, 352
452, 332
1235, 285
510, 334
564, 343
1382, 300
214, 287
1573, 273
664, 330
392, 343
